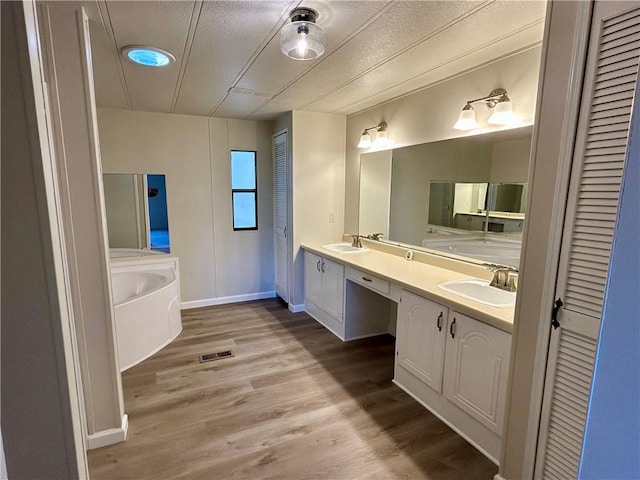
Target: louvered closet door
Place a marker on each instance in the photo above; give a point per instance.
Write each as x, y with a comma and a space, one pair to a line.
599, 156
280, 183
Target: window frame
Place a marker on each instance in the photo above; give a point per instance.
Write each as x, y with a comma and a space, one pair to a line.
244, 190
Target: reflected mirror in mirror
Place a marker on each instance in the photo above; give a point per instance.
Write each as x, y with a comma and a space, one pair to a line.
463, 197
136, 207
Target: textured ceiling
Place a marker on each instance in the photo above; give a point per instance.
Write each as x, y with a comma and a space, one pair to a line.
228, 60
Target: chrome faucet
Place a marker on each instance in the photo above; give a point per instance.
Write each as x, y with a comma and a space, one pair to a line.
374, 236
356, 242
503, 277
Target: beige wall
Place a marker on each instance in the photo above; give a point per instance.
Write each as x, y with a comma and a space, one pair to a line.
415, 168
510, 161
216, 263
429, 115
124, 216
318, 146
375, 193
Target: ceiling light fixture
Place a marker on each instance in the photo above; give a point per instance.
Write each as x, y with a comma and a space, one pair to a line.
498, 101
148, 56
381, 139
302, 39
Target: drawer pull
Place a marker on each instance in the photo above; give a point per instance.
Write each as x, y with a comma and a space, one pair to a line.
452, 329
318, 265
439, 323
367, 279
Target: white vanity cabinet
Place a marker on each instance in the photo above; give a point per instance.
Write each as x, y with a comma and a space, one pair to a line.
420, 338
455, 366
324, 291
476, 369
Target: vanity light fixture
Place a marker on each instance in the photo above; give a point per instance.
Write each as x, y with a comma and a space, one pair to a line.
498, 101
147, 56
381, 139
302, 39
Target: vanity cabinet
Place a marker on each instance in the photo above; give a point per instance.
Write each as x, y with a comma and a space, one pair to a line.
324, 290
455, 366
476, 369
420, 338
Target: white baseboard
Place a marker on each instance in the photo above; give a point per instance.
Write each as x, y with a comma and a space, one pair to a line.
209, 302
110, 436
296, 308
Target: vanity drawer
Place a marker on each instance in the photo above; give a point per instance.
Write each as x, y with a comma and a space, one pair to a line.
370, 281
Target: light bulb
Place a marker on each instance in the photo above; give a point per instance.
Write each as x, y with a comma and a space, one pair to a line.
503, 112
382, 140
466, 119
365, 140
302, 47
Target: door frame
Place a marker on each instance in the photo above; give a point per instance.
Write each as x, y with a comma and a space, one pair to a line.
288, 228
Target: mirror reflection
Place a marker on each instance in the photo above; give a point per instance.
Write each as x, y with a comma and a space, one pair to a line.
463, 197
136, 208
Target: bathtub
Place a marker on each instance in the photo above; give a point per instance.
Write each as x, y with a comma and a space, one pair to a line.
499, 250
132, 252
146, 298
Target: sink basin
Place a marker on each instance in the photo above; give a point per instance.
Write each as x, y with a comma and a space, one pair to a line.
480, 291
345, 248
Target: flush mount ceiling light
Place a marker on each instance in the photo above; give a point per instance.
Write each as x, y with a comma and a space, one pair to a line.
381, 139
302, 39
147, 56
497, 100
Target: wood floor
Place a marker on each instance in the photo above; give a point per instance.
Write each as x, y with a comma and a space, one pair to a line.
294, 403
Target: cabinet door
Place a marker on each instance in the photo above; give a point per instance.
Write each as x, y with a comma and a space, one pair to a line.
312, 278
477, 363
420, 340
332, 288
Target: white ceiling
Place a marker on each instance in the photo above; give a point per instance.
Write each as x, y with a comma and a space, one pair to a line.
229, 64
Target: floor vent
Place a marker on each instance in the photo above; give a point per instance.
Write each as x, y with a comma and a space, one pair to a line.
208, 357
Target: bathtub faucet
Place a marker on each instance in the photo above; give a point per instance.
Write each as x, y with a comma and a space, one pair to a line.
503, 277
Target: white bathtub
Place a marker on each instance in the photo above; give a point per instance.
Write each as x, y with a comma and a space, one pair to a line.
496, 249
146, 297
132, 252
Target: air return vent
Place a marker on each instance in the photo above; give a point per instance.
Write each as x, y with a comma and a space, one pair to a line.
208, 357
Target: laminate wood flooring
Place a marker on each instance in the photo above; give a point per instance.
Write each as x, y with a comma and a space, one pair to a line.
293, 403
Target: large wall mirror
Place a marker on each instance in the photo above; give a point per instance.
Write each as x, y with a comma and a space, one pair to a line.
463, 197
136, 206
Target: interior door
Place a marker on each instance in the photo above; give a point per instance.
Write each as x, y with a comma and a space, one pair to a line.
599, 156
280, 213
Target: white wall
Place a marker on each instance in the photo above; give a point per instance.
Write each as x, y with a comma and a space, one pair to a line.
318, 146
428, 115
216, 263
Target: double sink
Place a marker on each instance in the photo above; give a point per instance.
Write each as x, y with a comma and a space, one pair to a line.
474, 289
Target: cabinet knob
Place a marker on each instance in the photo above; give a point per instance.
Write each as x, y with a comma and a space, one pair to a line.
452, 330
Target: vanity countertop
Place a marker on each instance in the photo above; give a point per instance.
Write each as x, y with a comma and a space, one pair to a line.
421, 278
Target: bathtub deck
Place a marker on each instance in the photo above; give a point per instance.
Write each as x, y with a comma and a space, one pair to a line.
293, 403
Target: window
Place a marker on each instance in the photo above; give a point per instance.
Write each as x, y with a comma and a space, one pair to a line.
244, 191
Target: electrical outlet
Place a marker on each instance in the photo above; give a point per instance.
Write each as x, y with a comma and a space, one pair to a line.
332, 218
